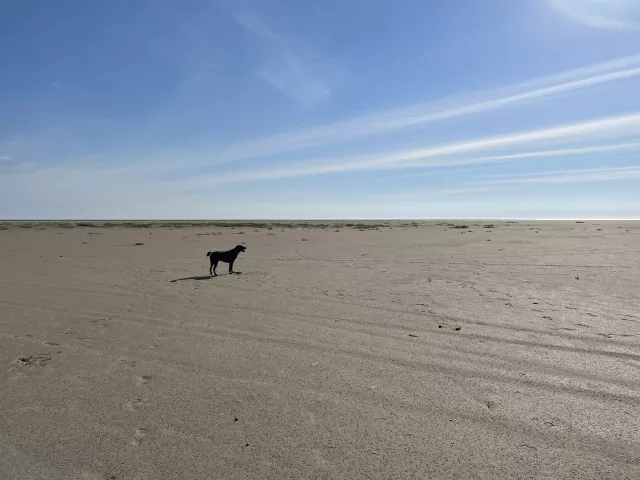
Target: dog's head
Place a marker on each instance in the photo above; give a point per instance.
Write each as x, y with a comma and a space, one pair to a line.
240, 248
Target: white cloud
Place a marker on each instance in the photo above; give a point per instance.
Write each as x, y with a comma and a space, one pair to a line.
288, 65
5, 158
612, 126
574, 176
559, 153
390, 121
557, 172
603, 14
90, 189
289, 76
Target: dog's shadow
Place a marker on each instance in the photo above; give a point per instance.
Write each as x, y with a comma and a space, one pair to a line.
204, 277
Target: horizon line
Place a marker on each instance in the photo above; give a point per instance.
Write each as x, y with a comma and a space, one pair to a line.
346, 219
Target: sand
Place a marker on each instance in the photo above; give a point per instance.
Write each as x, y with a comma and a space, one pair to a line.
405, 352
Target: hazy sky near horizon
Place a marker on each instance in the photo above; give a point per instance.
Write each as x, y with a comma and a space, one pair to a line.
282, 109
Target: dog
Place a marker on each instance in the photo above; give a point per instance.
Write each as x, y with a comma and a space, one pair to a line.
227, 257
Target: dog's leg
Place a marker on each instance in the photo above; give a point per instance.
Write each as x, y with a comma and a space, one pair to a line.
215, 264
230, 267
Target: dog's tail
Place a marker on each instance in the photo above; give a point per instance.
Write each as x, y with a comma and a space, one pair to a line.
208, 253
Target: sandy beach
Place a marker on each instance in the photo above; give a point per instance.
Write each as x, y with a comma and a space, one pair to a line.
400, 350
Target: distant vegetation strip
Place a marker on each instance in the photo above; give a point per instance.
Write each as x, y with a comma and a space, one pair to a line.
218, 224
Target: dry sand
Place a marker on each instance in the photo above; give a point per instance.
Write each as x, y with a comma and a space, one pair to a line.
428, 352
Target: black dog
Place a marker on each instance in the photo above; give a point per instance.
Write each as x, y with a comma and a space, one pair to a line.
227, 257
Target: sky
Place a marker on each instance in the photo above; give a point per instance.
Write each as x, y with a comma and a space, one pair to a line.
290, 109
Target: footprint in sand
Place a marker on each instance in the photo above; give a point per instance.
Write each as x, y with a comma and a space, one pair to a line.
143, 379
135, 405
138, 436
127, 362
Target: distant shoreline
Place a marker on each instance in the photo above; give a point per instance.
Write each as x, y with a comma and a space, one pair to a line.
315, 220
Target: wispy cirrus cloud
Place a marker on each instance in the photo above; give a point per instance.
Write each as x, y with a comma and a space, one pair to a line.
288, 65
461, 153
557, 153
288, 74
539, 89
572, 176
546, 88
435, 155
57, 179
603, 14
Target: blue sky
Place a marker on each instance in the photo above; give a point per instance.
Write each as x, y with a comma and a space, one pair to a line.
197, 109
